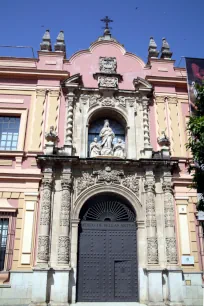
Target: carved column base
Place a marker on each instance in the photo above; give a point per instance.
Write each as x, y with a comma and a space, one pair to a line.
68, 149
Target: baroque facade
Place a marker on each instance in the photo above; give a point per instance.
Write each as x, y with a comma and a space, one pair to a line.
95, 200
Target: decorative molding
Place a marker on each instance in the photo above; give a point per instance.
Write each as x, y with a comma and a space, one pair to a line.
69, 118
13, 101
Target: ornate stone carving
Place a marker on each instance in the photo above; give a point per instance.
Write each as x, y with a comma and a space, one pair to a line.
109, 176
132, 183
87, 180
94, 100
66, 202
171, 250
43, 248
108, 81
152, 250
63, 249
108, 102
107, 64
46, 201
119, 149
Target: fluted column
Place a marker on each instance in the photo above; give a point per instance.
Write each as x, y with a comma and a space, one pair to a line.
151, 223
169, 219
69, 122
45, 214
147, 145
64, 239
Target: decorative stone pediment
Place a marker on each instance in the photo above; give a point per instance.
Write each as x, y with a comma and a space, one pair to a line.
73, 81
142, 85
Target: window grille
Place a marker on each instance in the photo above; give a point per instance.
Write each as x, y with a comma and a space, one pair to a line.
9, 132
7, 234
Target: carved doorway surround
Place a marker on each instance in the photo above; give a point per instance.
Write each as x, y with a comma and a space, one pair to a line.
107, 256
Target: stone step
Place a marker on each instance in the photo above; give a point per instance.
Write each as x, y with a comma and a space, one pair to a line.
108, 304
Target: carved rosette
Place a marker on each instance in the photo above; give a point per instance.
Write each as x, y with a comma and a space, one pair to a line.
43, 248
46, 201
171, 250
66, 202
152, 250
108, 81
63, 250
69, 118
145, 104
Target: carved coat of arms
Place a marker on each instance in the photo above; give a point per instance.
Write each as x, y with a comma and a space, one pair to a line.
107, 64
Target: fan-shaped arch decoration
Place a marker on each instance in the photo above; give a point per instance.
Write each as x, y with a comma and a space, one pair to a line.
109, 211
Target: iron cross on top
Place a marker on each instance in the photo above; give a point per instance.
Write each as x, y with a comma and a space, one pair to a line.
107, 20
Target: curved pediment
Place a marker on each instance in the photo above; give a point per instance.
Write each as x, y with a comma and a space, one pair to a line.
86, 63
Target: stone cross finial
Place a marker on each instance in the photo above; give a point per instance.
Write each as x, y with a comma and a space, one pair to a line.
165, 50
60, 43
152, 50
46, 42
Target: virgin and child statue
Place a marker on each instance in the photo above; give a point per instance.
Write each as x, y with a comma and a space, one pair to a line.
106, 147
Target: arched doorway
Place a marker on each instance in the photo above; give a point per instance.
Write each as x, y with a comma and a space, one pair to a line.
107, 256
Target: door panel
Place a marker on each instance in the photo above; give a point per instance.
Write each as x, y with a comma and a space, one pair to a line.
107, 262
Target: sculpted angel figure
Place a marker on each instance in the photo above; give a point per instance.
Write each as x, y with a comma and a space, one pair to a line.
107, 135
95, 148
119, 149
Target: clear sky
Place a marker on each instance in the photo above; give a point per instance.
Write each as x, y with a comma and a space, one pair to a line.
23, 22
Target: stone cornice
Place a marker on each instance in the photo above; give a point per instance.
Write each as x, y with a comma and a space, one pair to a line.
34, 73
165, 79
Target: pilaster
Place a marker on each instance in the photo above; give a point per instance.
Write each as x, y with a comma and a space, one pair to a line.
169, 219
45, 216
151, 223
64, 239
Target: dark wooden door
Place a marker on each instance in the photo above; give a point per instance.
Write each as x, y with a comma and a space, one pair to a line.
107, 262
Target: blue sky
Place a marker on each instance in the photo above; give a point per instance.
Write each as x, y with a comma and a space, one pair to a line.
23, 22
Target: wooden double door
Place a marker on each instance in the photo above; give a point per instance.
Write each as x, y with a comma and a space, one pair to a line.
107, 262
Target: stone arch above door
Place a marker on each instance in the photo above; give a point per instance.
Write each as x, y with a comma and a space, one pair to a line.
125, 193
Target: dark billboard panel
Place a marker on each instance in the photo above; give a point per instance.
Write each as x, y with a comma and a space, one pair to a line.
195, 74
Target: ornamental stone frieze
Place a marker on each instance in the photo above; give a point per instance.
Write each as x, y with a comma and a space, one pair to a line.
108, 176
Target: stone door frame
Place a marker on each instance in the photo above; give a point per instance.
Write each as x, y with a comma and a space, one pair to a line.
141, 234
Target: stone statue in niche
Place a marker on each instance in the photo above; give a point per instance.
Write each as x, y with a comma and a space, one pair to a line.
119, 149
106, 147
107, 135
95, 148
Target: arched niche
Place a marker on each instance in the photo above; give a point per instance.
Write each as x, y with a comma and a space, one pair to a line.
96, 121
